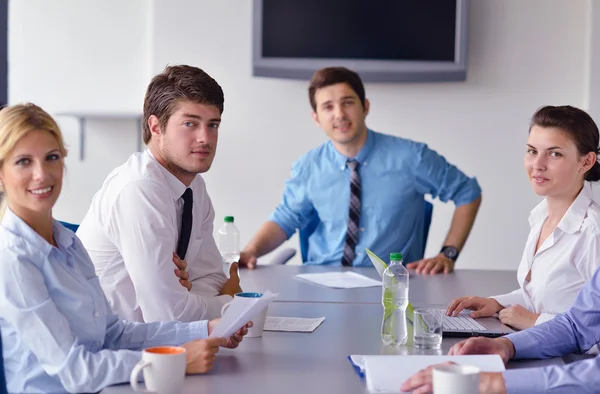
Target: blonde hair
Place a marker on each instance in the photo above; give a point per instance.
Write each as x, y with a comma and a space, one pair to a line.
15, 122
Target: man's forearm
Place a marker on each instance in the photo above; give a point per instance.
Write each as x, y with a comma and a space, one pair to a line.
268, 237
462, 222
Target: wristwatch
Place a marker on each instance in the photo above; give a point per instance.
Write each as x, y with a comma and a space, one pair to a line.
450, 251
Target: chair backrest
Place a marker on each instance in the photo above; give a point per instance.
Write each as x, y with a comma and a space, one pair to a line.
305, 232
3, 389
71, 226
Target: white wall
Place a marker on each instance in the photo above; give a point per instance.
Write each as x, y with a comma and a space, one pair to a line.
82, 56
522, 55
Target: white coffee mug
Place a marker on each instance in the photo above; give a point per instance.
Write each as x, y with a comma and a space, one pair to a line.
258, 322
164, 370
456, 378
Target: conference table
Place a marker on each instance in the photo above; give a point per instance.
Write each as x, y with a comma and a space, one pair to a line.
286, 362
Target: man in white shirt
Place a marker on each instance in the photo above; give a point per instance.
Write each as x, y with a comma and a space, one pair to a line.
154, 210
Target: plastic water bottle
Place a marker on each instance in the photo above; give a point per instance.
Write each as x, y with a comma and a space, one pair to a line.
395, 300
229, 244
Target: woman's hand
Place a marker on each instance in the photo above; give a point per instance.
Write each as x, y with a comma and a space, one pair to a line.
518, 317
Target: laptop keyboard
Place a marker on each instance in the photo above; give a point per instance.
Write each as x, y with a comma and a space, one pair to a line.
462, 323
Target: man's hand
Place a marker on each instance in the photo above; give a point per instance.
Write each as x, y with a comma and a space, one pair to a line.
232, 285
518, 317
247, 259
181, 272
501, 346
201, 354
436, 265
481, 307
236, 338
422, 382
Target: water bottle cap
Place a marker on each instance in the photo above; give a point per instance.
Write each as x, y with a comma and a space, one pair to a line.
395, 256
228, 219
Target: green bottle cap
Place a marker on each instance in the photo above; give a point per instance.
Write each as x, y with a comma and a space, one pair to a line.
228, 219
395, 256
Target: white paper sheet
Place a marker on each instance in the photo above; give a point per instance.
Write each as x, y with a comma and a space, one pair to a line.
385, 374
341, 280
292, 324
239, 313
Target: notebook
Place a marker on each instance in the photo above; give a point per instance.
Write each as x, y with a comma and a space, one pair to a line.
385, 374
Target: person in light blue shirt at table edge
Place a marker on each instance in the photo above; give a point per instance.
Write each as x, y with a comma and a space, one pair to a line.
377, 205
58, 331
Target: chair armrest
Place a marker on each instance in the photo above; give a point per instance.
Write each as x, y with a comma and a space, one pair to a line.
283, 256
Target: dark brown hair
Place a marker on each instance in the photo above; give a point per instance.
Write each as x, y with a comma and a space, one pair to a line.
176, 84
332, 76
575, 123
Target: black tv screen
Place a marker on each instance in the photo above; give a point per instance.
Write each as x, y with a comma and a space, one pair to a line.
383, 40
359, 29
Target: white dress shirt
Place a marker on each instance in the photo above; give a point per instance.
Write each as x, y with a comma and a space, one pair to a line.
58, 332
565, 261
131, 231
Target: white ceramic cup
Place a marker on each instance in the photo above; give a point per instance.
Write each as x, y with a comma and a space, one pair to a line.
258, 322
164, 370
455, 379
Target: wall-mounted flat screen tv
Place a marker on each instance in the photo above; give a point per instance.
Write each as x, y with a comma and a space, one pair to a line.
382, 40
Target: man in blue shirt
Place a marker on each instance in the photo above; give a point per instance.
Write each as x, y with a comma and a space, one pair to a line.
363, 189
575, 331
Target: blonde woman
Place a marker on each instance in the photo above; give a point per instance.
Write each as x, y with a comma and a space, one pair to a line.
58, 331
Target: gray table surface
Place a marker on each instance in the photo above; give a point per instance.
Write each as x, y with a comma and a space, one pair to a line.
316, 362
423, 289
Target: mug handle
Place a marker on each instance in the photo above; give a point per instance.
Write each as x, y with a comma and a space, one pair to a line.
133, 378
224, 308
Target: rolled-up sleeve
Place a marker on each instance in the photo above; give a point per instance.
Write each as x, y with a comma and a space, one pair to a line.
435, 176
295, 208
515, 297
28, 308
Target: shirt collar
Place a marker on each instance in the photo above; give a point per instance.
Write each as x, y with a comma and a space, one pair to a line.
13, 223
573, 218
175, 186
340, 160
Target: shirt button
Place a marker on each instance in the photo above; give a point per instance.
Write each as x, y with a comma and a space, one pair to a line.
96, 314
362, 229
342, 168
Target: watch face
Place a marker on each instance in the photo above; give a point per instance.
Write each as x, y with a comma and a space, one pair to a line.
451, 252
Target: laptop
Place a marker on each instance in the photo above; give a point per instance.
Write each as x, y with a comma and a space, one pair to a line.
461, 325
465, 326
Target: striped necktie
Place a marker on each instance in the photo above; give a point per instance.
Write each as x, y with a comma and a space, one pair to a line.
354, 214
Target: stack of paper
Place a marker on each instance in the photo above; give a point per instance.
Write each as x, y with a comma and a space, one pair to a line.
240, 312
341, 280
292, 324
385, 374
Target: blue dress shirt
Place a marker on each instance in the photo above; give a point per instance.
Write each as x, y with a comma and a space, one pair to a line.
57, 328
395, 175
575, 331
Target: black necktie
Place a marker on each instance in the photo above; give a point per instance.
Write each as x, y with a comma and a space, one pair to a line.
353, 215
186, 224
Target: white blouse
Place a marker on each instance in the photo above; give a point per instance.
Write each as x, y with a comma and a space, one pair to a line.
565, 261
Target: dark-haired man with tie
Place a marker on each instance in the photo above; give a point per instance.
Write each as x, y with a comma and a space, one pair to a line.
153, 218
364, 189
